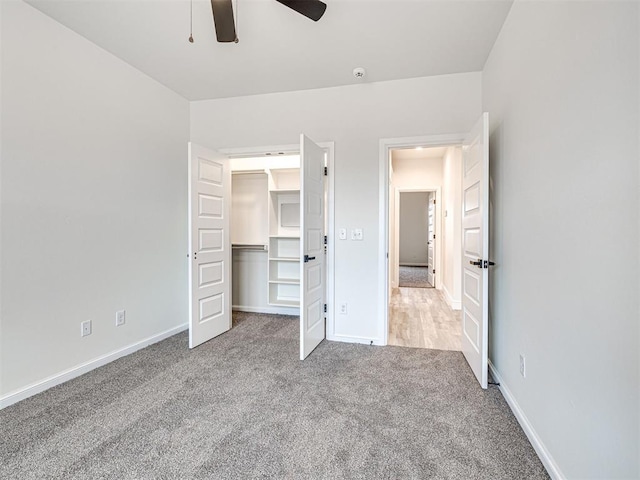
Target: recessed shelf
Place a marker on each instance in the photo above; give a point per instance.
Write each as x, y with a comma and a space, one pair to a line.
284, 237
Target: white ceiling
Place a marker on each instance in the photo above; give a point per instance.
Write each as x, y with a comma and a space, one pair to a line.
280, 50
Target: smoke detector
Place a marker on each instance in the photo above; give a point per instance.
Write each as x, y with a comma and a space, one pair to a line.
359, 73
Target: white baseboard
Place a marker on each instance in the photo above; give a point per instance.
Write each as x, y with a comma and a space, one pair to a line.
404, 264
547, 460
349, 339
454, 304
273, 310
83, 368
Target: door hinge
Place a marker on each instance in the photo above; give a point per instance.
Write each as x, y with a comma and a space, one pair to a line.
325, 239
434, 201
487, 264
325, 308
434, 271
325, 171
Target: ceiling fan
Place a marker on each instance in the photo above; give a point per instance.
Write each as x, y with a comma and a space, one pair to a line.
225, 23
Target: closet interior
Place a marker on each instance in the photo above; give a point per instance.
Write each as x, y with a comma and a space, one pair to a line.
265, 234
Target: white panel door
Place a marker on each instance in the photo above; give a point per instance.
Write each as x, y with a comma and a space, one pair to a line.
209, 243
475, 248
312, 264
431, 241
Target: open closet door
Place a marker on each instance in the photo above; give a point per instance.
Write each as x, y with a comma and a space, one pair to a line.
209, 243
312, 265
475, 249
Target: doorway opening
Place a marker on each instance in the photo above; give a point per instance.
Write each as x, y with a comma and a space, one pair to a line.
281, 217
416, 237
424, 247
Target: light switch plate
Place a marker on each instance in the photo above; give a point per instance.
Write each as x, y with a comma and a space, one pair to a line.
357, 234
342, 234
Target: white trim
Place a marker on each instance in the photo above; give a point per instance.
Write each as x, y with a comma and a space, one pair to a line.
352, 339
545, 457
454, 304
386, 145
86, 367
292, 149
289, 149
330, 324
293, 311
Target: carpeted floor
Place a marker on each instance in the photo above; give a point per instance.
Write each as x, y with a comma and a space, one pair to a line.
244, 406
416, 277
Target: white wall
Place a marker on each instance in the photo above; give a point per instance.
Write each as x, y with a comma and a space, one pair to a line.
356, 118
452, 226
561, 87
414, 228
93, 203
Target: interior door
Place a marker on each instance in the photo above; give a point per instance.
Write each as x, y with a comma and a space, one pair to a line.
475, 248
312, 264
431, 241
209, 243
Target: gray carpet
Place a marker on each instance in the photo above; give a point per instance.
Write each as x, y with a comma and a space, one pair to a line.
243, 406
415, 277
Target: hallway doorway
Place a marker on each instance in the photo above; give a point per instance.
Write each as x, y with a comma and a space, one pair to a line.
424, 195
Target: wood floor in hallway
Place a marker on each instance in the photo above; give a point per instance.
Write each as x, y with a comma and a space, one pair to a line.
420, 317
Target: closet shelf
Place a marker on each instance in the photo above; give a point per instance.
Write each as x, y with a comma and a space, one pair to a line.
287, 281
284, 190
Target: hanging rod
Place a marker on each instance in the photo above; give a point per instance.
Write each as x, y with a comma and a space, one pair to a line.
244, 246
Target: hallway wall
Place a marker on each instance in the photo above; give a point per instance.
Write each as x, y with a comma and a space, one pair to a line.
413, 228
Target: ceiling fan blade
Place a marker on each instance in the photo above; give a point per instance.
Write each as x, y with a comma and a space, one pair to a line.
223, 20
313, 9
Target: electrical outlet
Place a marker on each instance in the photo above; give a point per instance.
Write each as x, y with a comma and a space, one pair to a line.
120, 318
343, 309
523, 370
85, 328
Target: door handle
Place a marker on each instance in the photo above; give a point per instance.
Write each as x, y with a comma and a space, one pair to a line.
307, 258
482, 263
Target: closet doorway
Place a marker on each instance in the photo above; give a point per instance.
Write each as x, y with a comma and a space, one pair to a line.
424, 223
275, 237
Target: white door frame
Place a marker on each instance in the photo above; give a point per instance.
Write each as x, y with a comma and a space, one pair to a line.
294, 148
386, 145
438, 225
